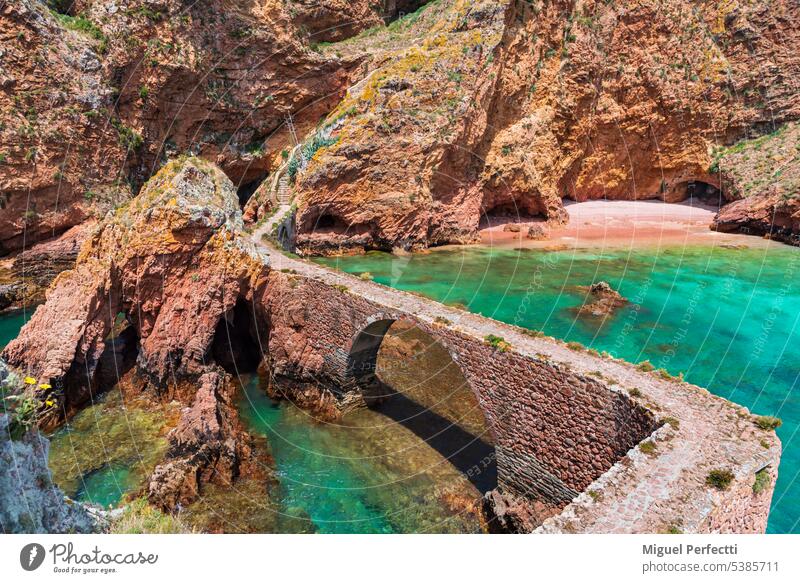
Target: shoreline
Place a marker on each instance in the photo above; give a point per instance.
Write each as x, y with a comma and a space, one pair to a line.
615, 224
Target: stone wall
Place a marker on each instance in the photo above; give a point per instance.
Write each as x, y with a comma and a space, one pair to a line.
554, 431
570, 427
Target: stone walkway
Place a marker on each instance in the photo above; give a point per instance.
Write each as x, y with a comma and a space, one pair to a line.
651, 491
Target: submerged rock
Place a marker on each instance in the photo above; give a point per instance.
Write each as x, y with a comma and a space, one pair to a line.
602, 301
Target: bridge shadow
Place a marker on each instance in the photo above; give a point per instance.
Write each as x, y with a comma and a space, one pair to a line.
469, 454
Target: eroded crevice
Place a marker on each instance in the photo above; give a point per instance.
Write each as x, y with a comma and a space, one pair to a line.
247, 189
240, 340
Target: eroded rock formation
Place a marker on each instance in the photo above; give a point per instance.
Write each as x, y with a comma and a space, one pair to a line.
167, 270
762, 177
601, 301
512, 106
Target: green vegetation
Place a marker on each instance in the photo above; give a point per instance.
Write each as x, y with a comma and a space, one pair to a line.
576, 346
128, 138
645, 366
24, 401
441, 321
307, 152
144, 92
366, 276
341, 288
719, 479
146, 12
83, 25
768, 422
497, 343
532, 333
763, 481
141, 518
635, 392
672, 422
648, 448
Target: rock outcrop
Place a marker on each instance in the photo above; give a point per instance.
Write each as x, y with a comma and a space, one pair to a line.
29, 501
172, 271
601, 301
207, 446
508, 107
762, 177
25, 276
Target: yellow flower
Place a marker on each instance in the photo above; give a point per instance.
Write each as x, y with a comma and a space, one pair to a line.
30, 381
45, 386
49, 402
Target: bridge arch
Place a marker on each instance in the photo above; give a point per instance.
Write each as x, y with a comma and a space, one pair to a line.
427, 392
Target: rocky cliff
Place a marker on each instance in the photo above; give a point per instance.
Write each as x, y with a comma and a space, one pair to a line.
161, 282
452, 113
96, 95
29, 501
506, 108
762, 178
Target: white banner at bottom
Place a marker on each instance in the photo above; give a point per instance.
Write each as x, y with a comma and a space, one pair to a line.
423, 558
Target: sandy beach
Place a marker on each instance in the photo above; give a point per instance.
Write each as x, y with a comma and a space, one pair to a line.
622, 224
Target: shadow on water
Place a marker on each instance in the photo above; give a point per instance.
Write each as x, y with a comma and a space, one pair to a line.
465, 451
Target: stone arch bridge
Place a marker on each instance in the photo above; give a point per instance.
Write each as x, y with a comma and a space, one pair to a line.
568, 426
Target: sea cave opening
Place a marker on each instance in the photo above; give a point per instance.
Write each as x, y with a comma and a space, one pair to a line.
703, 193
247, 189
240, 339
410, 377
329, 223
396, 9
507, 212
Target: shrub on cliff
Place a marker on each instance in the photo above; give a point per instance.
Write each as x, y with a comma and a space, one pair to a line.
720, 479
768, 422
497, 342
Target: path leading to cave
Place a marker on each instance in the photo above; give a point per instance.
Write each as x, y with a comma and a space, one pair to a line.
646, 492
266, 228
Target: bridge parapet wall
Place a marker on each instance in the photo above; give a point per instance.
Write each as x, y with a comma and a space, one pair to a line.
564, 422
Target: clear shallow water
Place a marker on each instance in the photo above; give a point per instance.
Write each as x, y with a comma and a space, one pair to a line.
373, 472
10, 324
108, 449
726, 318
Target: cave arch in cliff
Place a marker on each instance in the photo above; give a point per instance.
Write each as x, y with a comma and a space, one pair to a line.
240, 339
246, 189
329, 223
507, 211
700, 191
404, 372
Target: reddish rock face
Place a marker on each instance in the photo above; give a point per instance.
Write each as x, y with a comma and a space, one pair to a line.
164, 274
59, 156
92, 104
207, 446
508, 107
762, 176
170, 265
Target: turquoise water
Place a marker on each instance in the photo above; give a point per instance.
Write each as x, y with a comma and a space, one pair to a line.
10, 324
364, 474
726, 318
106, 486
